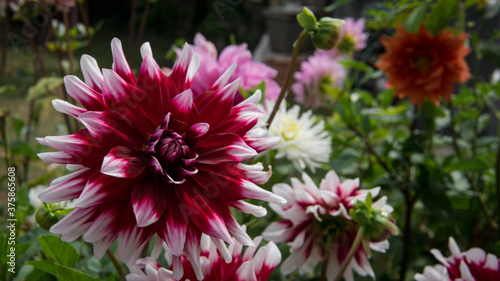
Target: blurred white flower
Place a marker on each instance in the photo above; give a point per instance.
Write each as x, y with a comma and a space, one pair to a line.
303, 140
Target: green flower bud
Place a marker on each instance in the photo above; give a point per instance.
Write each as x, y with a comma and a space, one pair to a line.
382, 227
45, 218
327, 33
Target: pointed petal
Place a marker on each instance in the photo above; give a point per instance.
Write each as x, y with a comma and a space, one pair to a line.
192, 251
179, 73
67, 108
130, 237
105, 224
203, 213
101, 188
74, 220
221, 99
128, 100
266, 260
83, 93
183, 111
66, 187
123, 162
159, 88
146, 50
235, 229
245, 207
175, 225
148, 202
111, 129
57, 157
224, 78
120, 64
246, 272
91, 72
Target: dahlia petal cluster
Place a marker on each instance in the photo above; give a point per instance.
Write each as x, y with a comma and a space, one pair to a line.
472, 265
153, 158
250, 72
317, 225
230, 264
320, 72
424, 66
303, 141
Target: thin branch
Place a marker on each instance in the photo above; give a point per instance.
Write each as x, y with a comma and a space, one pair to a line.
288, 76
116, 264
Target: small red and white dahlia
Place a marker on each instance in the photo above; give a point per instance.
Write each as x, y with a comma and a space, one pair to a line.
229, 265
318, 227
473, 265
154, 160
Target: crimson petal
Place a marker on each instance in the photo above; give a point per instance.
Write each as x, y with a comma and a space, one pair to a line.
123, 162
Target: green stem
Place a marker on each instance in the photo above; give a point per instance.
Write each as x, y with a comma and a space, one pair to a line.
288, 76
497, 175
116, 264
351, 253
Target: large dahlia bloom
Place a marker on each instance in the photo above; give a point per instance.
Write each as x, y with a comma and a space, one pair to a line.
303, 141
424, 66
473, 265
318, 227
229, 265
152, 159
318, 74
250, 72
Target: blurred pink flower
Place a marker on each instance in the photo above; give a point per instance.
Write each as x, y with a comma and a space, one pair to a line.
153, 159
352, 38
252, 73
213, 264
317, 75
473, 265
318, 227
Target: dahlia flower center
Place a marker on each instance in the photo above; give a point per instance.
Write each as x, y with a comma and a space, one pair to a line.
170, 155
346, 45
422, 63
290, 130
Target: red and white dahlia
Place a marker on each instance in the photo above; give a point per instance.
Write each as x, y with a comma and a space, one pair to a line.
318, 227
229, 265
154, 160
473, 265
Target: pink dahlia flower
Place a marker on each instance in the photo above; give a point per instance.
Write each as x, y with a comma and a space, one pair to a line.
152, 159
318, 227
214, 265
352, 38
473, 265
252, 73
317, 75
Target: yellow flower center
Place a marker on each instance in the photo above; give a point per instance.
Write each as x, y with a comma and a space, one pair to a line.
346, 45
290, 130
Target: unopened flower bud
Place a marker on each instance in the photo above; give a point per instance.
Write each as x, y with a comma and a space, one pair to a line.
45, 218
383, 226
327, 34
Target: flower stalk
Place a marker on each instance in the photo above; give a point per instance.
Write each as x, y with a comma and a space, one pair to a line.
288, 76
116, 264
354, 248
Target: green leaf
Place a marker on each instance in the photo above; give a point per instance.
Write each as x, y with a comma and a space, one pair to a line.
490, 53
43, 86
62, 273
468, 165
61, 252
441, 15
416, 17
307, 20
39, 275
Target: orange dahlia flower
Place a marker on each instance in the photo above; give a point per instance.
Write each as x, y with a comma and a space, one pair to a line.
424, 65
